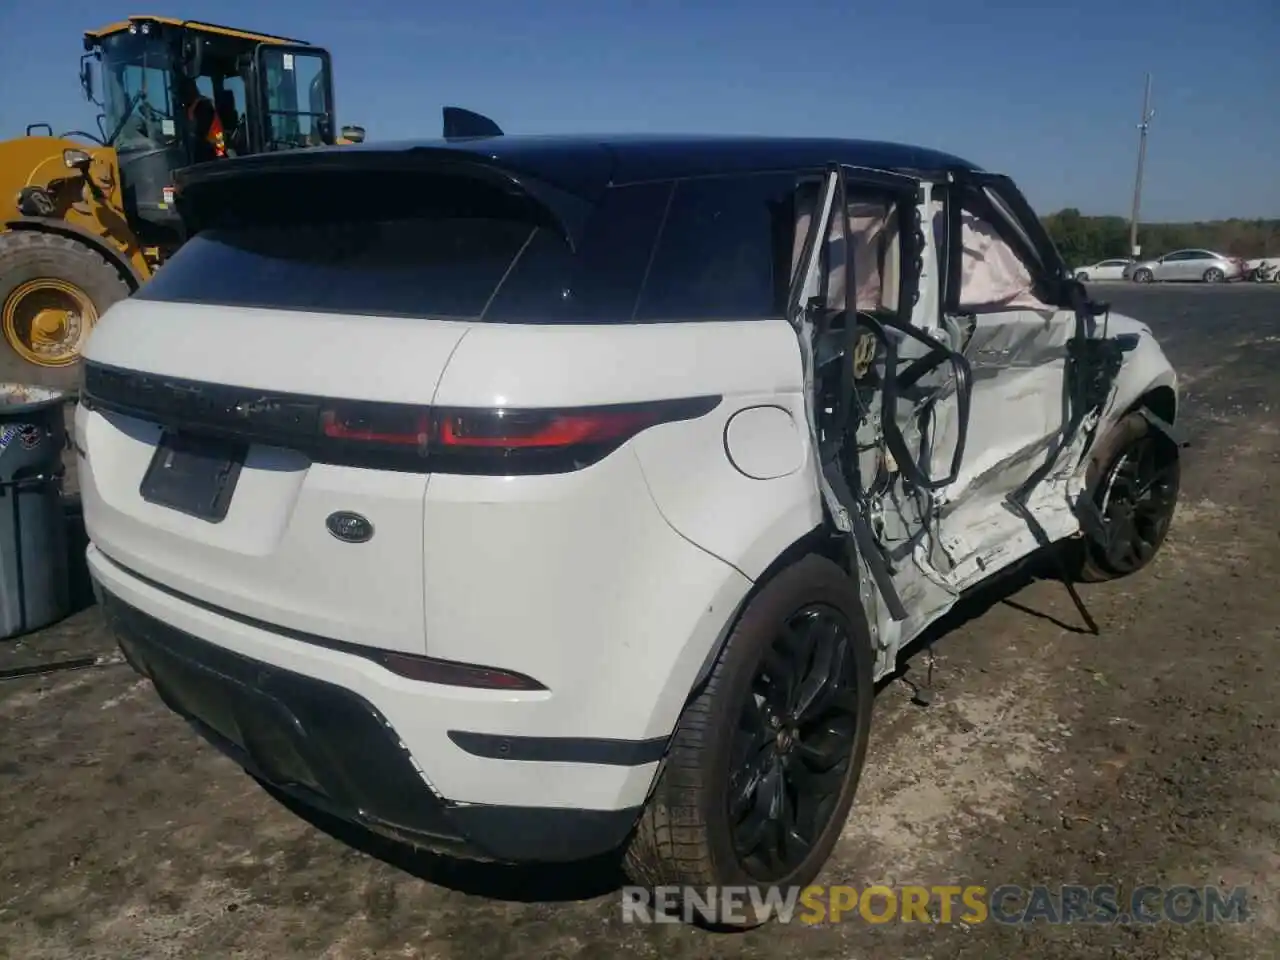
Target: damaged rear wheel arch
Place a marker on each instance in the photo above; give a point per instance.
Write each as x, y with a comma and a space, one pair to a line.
823, 540
743, 746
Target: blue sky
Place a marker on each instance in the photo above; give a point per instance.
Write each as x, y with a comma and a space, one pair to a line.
1049, 93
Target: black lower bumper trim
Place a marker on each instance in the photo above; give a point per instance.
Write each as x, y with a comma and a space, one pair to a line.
617, 753
331, 749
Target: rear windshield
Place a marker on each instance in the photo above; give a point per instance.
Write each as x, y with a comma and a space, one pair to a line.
701, 249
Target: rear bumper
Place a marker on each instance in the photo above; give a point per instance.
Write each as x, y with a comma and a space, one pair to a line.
333, 750
344, 735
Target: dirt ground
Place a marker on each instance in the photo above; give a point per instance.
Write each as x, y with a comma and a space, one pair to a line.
1149, 753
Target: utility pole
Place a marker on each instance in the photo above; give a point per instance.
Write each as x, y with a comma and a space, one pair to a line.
1147, 114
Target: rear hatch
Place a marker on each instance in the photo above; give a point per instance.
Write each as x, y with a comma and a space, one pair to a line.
255, 419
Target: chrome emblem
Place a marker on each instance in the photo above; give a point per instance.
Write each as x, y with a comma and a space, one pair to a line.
349, 527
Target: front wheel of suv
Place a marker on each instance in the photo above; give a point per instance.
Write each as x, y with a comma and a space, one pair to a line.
765, 760
1133, 479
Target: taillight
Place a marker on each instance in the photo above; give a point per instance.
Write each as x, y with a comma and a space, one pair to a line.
528, 429
546, 440
375, 435
377, 424
378, 435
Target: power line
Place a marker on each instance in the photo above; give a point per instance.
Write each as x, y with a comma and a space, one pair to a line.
1147, 114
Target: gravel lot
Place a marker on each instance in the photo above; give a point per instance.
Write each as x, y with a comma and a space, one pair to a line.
1147, 754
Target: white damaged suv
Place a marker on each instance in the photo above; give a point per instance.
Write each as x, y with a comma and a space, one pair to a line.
536, 498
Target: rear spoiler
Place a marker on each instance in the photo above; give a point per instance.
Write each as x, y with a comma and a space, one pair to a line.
206, 192
460, 124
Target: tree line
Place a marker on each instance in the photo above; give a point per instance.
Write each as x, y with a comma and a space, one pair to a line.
1083, 240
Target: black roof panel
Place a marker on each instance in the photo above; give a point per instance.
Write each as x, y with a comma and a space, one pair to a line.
639, 157
585, 165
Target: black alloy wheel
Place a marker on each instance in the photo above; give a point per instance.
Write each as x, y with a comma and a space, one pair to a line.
1137, 497
794, 743
762, 768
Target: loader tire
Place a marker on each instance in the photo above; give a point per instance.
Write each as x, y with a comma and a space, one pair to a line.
53, 289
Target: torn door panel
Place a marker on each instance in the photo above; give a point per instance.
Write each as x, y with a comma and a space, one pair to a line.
1016, 347
884, 435
940, 442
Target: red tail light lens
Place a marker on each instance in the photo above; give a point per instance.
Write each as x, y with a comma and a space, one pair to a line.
516, 430
376, 434
488, 441
547, 441
374, 425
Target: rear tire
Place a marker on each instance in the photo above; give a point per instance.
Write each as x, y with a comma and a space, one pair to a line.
75, 278
1133, 478
689, 835
1143, 276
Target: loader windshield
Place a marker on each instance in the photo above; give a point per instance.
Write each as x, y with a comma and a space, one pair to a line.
297, 87
138, 93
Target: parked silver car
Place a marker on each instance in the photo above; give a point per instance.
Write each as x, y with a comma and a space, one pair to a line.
1189, 265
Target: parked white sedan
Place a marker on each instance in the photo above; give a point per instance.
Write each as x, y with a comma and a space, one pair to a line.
1103, 270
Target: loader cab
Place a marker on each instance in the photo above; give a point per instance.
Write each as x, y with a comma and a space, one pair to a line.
269, 93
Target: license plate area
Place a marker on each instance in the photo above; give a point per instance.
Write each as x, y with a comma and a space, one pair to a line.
194, 475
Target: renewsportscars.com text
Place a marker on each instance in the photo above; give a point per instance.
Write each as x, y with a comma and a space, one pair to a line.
970, 905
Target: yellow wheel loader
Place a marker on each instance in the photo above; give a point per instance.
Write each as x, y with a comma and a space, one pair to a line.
86, 218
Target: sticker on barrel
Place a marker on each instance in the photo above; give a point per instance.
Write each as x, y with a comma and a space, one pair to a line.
28, 435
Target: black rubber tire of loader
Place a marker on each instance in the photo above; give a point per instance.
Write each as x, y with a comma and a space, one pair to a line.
1089, 563
31, 254
683, 837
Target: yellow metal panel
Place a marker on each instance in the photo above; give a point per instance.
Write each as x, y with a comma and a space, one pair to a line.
196, 25
240, 34
107, 30
96, 207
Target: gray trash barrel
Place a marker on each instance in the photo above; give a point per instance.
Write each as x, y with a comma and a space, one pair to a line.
34, 578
